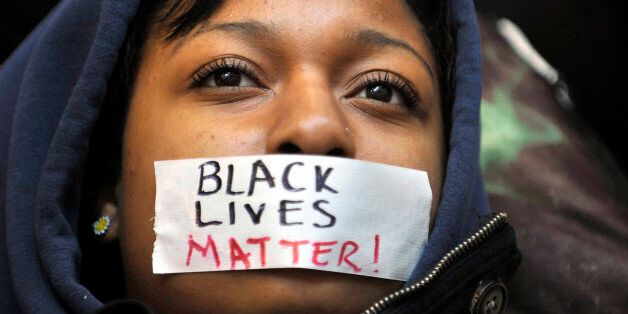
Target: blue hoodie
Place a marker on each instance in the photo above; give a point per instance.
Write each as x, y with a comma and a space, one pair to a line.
51, 92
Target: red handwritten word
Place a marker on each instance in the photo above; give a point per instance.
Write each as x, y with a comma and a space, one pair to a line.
320, 251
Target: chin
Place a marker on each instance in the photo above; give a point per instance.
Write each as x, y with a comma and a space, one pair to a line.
262, 291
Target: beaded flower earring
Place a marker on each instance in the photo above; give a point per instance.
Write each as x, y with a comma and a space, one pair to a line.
101, 225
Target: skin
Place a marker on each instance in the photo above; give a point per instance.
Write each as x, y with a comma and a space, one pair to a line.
307, 98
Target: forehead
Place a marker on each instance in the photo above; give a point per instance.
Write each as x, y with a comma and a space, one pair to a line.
307, 18
317, 12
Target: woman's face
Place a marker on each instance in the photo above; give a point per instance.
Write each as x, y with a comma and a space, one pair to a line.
348, 78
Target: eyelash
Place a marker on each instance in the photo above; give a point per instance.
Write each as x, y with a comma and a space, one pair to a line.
206, 71
410, 95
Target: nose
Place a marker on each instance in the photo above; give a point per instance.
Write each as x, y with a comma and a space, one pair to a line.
309, 120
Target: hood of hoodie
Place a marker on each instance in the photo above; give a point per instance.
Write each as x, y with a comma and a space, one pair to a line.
51, 92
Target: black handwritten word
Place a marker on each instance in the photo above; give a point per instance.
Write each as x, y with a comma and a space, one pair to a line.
210, 181
255, 213
212, 177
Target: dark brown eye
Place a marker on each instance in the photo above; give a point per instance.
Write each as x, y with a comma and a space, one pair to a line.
379, 92
382, 92
227, 77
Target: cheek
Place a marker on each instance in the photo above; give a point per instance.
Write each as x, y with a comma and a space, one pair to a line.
156, 131
412, 147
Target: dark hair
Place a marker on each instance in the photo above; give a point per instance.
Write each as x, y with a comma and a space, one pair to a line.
177, 19
437, 24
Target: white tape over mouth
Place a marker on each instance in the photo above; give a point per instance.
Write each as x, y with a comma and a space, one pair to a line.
289, 211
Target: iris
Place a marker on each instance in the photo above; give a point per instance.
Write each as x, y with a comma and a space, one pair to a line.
227, 77
379, 92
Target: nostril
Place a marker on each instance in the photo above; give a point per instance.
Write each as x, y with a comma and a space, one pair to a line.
338, 152
289, 148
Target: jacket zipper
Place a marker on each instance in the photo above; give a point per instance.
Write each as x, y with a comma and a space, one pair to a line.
470, 243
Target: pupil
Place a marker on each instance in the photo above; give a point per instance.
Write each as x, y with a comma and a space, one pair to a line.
379, 92
227, 78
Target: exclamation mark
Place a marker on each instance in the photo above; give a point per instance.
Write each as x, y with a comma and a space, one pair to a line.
376, 252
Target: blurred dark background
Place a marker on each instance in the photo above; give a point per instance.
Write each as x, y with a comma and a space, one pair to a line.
582, 39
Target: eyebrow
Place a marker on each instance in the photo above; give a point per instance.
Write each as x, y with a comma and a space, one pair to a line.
246, 28
258, 31
251, 30
375, 38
